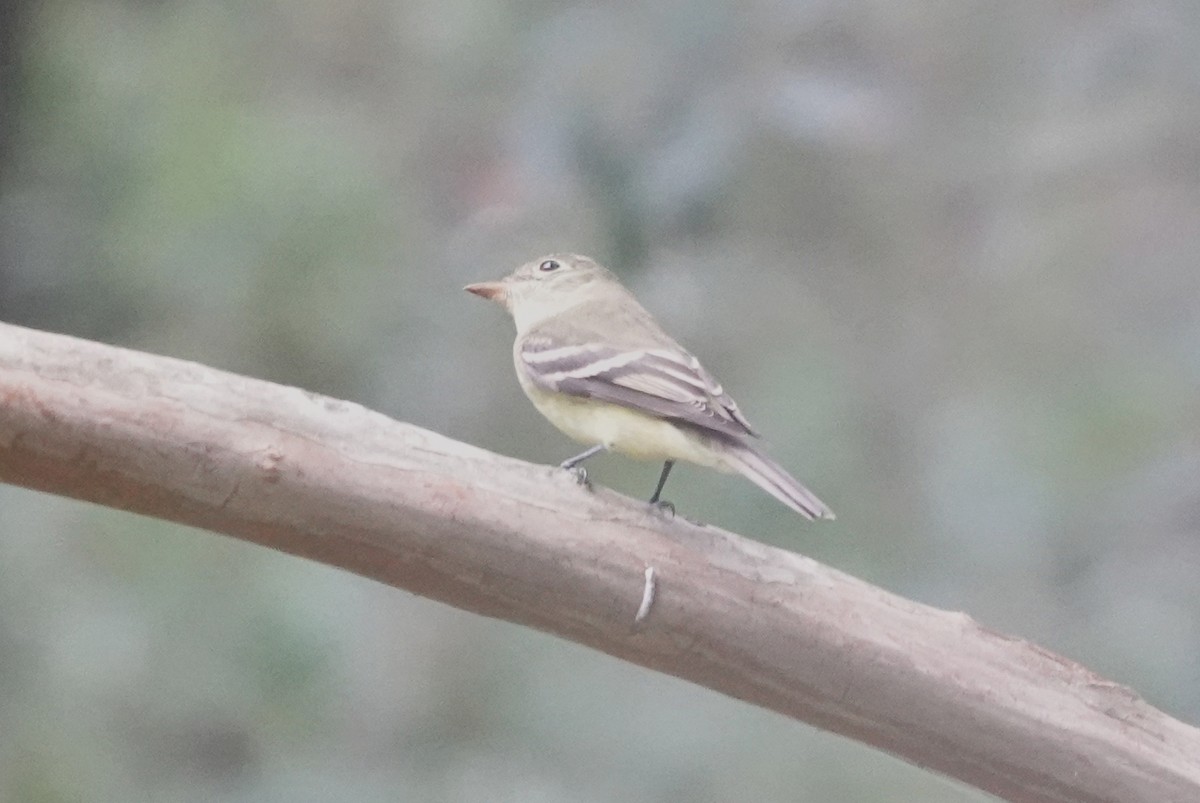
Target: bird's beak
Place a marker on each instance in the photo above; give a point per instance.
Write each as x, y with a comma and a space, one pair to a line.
492, 291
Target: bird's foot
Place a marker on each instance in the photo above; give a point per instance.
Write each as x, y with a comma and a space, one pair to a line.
579, 473
663, 506
574, 466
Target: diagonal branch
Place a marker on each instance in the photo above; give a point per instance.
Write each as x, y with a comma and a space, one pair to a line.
336, 483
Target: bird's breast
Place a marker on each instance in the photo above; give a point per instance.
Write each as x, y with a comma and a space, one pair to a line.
621, 429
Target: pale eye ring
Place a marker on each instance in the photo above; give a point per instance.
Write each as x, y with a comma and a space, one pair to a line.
549, 265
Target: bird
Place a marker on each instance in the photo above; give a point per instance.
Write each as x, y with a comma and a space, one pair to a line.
596, 364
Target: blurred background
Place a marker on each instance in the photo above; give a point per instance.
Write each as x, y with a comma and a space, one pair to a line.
943, 253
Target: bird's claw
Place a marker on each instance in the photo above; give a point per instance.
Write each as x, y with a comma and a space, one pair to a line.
663, 506
580, 474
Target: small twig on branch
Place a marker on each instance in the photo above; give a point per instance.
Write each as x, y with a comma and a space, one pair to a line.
648, 592
339, 484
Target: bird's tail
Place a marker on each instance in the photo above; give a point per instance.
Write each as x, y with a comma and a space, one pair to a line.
770, 476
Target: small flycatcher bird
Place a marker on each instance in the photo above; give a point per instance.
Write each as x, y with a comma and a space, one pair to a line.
593, 361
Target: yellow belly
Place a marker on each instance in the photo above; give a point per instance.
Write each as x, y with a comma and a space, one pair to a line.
622, 430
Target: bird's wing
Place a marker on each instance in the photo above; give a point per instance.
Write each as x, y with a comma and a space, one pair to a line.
660, 378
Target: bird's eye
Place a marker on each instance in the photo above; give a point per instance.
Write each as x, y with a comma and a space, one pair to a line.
549, 265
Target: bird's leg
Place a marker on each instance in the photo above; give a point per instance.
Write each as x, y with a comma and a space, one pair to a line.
579, 471
662, 480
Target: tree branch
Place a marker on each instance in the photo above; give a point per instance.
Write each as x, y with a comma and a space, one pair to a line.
336, 483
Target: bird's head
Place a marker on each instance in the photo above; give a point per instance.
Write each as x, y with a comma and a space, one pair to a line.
546, 287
